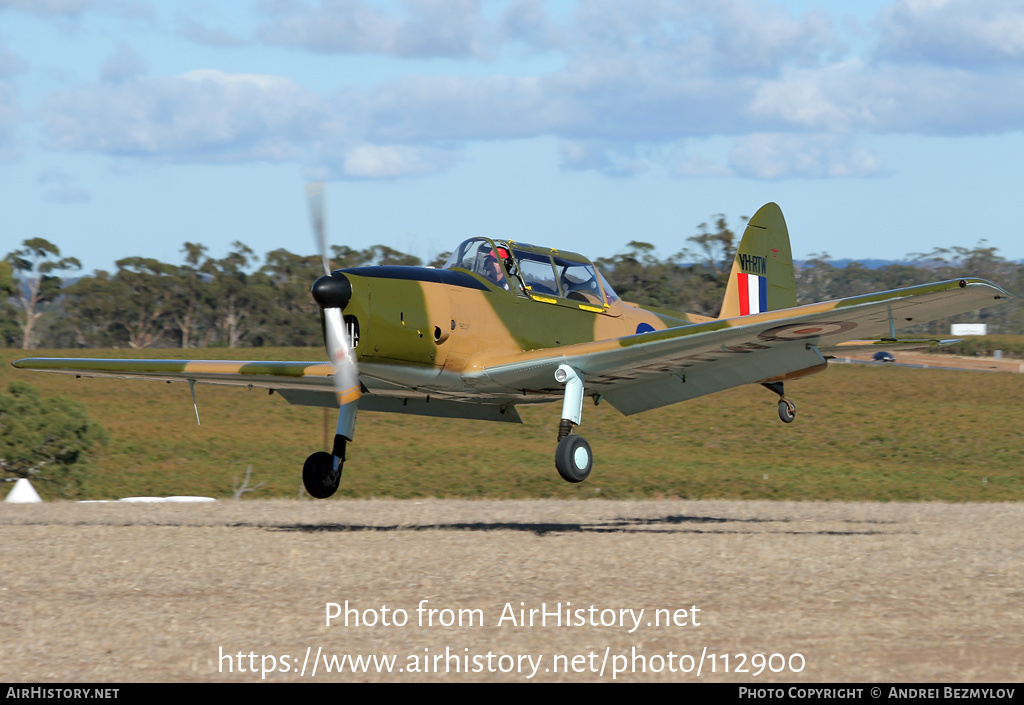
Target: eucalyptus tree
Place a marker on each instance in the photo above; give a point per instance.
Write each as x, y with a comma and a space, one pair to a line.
36, 286
236, 297
186, 301
146, 291
292, 318
8, 314
92, 307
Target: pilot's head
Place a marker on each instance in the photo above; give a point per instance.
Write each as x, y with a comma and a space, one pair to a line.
506, 259
492, 270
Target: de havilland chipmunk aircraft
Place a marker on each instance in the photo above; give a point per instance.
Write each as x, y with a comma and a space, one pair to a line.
505, 323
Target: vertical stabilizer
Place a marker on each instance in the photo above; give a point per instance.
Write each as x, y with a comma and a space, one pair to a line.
762, 273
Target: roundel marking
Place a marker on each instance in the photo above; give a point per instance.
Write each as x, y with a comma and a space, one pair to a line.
800, 331
644, 328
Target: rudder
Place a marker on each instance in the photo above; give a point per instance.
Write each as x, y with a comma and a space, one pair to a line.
762, 276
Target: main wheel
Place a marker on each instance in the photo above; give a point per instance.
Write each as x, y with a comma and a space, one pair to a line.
573, 458
319, 477
787, 412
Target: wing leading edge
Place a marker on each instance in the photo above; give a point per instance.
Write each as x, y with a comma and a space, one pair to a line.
234, 373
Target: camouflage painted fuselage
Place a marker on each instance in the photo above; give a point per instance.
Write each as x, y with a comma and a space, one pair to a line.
434, 330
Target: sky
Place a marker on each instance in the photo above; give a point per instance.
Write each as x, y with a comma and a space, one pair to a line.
882, 128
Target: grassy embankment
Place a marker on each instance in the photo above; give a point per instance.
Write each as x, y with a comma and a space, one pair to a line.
986, 345
862, 433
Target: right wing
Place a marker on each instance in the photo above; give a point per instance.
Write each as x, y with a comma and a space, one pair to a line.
649, 370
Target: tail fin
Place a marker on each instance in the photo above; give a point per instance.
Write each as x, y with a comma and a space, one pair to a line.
762, 273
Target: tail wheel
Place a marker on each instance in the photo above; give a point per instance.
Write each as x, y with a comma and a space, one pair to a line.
573, 458
319, 477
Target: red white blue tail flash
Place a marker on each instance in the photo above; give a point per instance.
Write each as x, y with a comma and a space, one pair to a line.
753, 293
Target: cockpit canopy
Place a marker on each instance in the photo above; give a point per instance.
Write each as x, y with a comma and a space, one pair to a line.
533, 271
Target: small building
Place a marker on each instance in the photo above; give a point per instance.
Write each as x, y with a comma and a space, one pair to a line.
968, 329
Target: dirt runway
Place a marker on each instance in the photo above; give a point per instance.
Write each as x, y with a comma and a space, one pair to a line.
241, 590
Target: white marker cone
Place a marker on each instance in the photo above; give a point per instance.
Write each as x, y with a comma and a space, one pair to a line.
23, 493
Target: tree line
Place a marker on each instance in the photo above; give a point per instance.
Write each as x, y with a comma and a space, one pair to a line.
242, 300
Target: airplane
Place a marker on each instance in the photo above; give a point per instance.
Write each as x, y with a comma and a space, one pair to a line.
505, 323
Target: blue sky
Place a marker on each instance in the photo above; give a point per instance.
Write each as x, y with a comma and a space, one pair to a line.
881, 128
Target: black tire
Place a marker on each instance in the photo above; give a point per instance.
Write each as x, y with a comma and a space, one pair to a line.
318, 476
786, 413
573, 458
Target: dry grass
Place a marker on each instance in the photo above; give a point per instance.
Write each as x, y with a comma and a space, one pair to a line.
865, 592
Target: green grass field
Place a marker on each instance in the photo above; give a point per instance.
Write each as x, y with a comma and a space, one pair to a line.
862, 432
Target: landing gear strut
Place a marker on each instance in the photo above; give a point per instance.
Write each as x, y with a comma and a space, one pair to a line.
573, 456
787, 410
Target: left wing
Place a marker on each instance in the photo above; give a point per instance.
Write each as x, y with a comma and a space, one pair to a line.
302, 383
234, 373
649, 370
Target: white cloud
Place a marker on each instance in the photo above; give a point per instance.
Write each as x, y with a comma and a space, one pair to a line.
527, 22
393, 161
426, 28
207, 36
643, 71
616, 160
203, 115
967, 33
48, 7
834, 98
212, 116
710, 37
858, 98
621, 85
124, 65
775, 156
428, 108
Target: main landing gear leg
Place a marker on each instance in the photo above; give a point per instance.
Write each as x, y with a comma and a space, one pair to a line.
321, 474
787, 411
573, 457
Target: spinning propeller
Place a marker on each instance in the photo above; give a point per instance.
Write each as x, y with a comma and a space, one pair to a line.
332, 293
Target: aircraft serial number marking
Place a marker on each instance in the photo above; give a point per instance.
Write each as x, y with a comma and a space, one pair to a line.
753, 264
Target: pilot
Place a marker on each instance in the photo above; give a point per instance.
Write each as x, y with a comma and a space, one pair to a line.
506, 259
492, 270
510, 266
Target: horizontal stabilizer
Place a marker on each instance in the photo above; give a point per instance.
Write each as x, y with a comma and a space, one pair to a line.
888, 344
